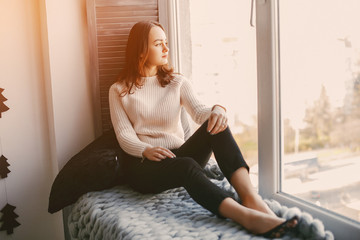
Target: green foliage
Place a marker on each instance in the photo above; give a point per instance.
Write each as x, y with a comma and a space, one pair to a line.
318, 119
327, 127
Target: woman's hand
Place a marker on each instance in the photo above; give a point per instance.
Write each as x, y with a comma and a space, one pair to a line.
157, 153
217, 120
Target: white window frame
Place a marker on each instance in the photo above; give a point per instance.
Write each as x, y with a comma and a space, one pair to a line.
269, 127
169, 18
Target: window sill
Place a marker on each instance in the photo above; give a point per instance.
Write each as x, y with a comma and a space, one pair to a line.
340, 226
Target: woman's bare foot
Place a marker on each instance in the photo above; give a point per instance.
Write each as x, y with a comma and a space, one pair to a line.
253, 220
264, 222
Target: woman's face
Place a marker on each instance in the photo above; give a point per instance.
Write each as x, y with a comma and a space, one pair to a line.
157, 48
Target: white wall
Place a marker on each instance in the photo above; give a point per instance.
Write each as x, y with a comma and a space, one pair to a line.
44, 70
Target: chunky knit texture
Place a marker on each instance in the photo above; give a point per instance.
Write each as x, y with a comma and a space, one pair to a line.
121, 213
150, 117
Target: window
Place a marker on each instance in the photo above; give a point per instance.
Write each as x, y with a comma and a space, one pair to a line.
320, 106
308, 80
307, 62
223, 67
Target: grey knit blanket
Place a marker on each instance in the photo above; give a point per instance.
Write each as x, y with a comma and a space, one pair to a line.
121, 213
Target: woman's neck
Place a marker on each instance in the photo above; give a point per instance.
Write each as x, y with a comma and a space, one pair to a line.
150, 71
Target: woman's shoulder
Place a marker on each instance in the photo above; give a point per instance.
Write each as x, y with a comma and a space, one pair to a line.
179, 78
116, 87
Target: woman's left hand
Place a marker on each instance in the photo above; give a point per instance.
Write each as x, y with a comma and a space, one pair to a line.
217, 120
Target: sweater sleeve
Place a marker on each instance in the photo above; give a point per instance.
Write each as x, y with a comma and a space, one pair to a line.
123, 128
197, 110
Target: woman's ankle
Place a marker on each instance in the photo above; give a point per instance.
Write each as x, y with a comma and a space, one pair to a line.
257, 203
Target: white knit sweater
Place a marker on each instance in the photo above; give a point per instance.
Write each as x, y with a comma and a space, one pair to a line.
150, 117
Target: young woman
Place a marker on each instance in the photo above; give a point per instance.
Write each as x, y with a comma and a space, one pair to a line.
145, 107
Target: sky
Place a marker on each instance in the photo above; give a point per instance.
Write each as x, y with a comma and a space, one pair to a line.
313, 52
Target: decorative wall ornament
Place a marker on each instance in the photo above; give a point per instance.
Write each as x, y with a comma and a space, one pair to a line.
3, 107
4, 170
8, 219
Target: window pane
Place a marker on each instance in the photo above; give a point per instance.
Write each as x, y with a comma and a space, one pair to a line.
320, 102
223, 61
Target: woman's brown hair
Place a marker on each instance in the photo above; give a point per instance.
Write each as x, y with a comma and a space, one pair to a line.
136, 56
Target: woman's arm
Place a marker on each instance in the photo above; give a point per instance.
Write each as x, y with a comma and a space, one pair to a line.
123, 128
199, 112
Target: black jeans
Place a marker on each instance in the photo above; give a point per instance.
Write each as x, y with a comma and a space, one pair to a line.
186, 169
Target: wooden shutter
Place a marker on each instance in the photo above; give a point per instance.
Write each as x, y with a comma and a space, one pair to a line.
109, 24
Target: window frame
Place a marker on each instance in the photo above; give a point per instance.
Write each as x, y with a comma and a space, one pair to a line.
269, 125
169, 18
